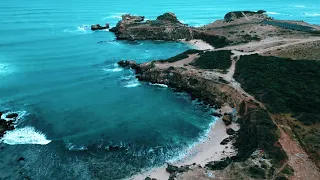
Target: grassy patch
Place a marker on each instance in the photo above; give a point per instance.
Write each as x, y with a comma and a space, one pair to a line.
214, 60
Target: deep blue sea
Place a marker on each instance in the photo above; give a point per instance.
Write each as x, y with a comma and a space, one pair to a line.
80, 115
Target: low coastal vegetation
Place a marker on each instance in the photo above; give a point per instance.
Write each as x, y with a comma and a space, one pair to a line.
206, 60
291, 26
213, 40
168, 17
286, 86
181, 56
214, 60
239, 14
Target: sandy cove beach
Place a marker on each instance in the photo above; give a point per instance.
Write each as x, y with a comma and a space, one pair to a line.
198, 44
206, 151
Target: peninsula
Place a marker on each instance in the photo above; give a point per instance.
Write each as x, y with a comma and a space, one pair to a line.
267, 70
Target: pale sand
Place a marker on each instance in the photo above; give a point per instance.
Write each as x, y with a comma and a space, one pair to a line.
199, 44
202, 153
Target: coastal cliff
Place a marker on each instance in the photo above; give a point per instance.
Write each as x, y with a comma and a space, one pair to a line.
213, 77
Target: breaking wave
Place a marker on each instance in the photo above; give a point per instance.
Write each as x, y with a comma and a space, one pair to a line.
83, 29
72, 147
159, 85
114, 68
25, 135
272, 13
130, 80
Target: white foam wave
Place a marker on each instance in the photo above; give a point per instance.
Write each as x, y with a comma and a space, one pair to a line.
273, 13
114, 16
17, 119
83, 29
312, 14
26, 135
132, 83
72, 147
188, 149
298, 6
160, 85
115, 68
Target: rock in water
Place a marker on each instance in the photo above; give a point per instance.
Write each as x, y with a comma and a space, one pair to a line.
132, 19
99, 27
5, 126
12, 115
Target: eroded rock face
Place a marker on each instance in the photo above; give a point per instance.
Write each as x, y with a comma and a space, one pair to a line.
165, 27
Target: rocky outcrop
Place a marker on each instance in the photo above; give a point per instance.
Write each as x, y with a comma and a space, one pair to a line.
99, 27
174, 170
227, 119
230, 131
6, 125
132, 19
198, 87
165, 27
12, 115
231, 16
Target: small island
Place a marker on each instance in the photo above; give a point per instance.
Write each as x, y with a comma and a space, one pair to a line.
267, 70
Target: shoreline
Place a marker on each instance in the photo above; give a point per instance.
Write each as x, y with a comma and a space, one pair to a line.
198, 44
202, 152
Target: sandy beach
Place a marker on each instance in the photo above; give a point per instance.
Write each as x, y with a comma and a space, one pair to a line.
206, 151
198, 44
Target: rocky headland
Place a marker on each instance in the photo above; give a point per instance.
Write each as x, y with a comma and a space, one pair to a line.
275, 96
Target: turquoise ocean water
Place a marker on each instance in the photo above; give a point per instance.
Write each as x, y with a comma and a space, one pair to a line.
74, 100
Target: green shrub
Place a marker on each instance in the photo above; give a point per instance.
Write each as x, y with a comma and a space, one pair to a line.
168, 17
257, 172
214, 60
213, 40
181, 56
